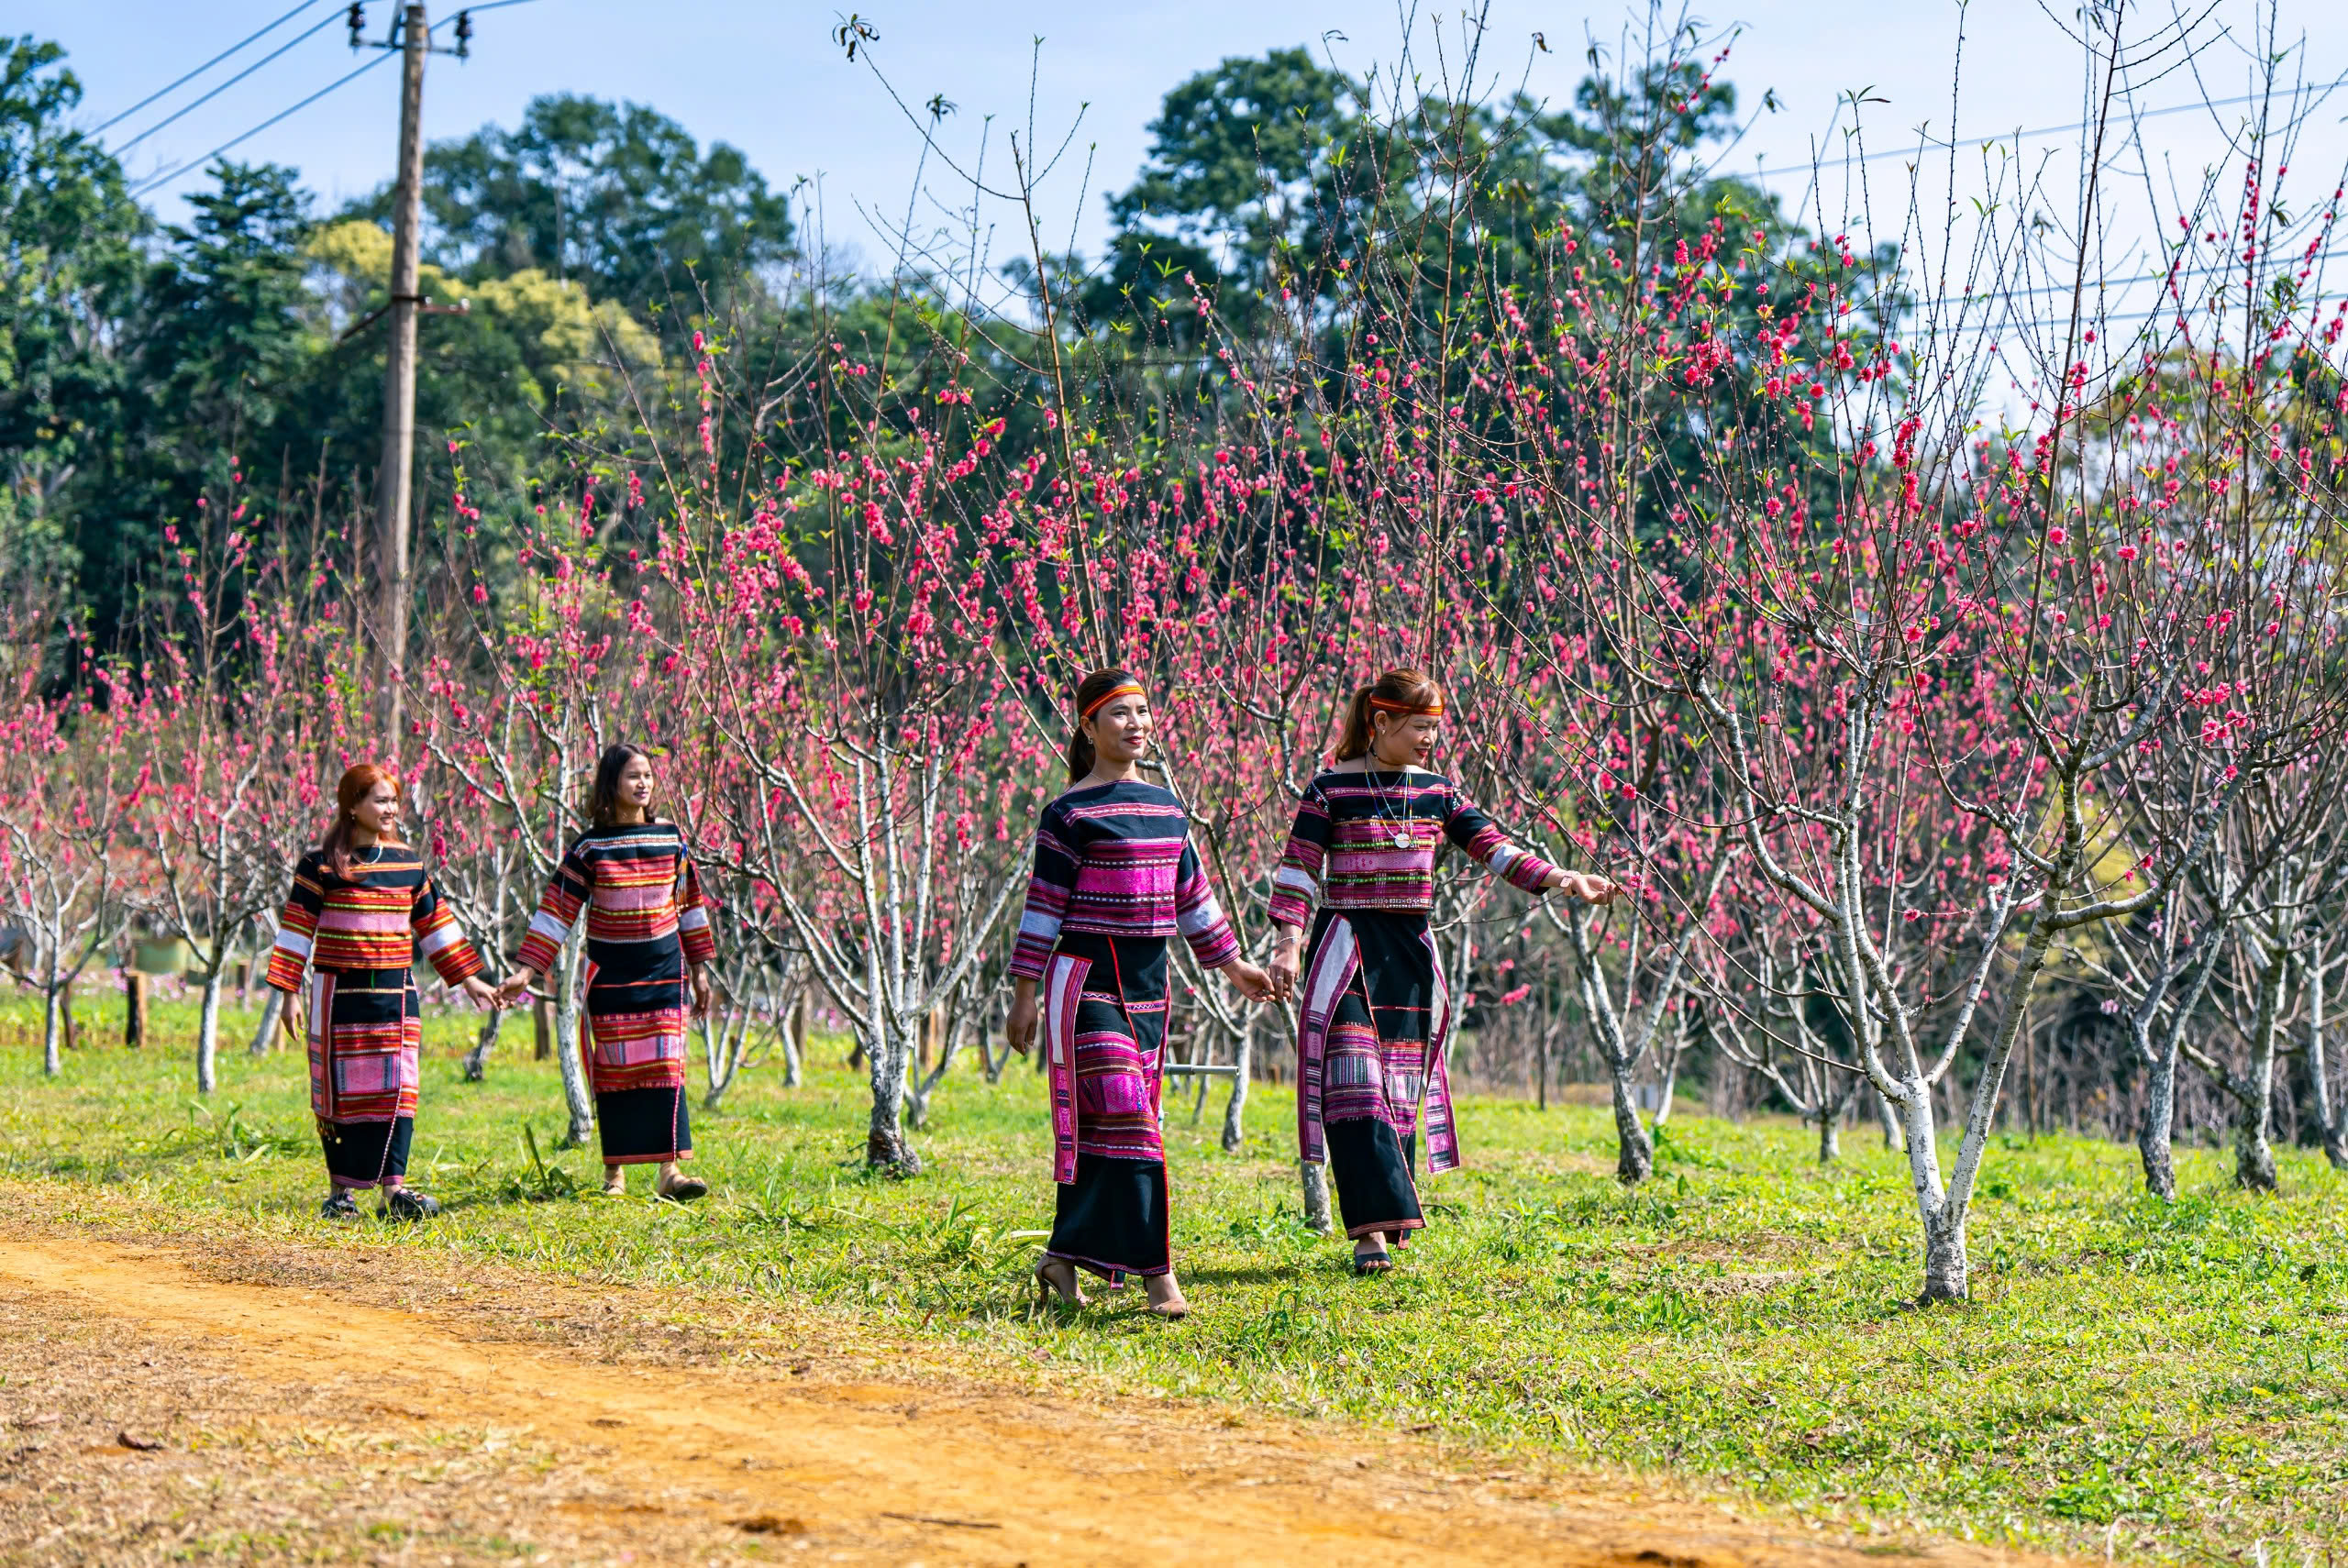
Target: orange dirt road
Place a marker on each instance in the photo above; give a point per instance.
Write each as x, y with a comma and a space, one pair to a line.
275, 1422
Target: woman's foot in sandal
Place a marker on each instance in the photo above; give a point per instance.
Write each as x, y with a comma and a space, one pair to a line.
1055, 1280
1165, 1297
1370, 1256
679, 1188
614, 1181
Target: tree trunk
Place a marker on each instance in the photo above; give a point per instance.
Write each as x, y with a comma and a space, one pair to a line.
1235, 1109
207, 1036
569, 1012
52, 1033
542, 1028
65, 994
477, 1059
1947, 1272
2328, 1118
1830, 1133
1634, 1160
272, 1007
885, 1148
1315, 1179
795, 1040
2153, 1133
2253, 1157
134, 1008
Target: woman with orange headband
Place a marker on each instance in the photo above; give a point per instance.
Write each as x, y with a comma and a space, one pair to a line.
1116, 876
1374, 1018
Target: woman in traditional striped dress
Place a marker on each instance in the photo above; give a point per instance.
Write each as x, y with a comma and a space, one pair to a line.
361, 906
648, 938
1374, 1020
1116, 876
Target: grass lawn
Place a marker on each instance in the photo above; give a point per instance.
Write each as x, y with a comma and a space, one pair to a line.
2151, 1380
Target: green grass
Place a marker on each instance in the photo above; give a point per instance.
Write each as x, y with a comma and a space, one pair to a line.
2161, 1381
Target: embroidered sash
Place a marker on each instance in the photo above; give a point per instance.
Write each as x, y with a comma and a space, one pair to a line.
1063, 994
1335, 962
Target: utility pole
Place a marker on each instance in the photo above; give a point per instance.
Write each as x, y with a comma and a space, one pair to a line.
395, 479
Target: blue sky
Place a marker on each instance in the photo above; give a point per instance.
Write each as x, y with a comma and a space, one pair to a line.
767, 78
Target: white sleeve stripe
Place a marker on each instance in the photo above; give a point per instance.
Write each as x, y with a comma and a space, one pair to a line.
553, 930
1289, 877
1036, 924
1203, 917
436, 939
294, 942
692, 920
1503, 857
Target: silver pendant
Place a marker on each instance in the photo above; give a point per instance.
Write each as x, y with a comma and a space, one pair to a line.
1403, 841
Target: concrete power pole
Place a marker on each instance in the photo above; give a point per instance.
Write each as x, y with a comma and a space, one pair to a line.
394, 485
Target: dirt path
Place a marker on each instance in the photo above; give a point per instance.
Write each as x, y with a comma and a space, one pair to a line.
293, 1422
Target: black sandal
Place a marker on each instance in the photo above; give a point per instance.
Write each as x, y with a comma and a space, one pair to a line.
1373, 1263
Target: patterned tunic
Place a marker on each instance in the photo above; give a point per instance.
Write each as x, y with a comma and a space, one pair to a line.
646, 923
1374, 1016
1115, 876
359, 938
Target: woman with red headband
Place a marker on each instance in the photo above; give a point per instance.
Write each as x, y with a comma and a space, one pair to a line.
1116, 876
1374, 1020
361, 908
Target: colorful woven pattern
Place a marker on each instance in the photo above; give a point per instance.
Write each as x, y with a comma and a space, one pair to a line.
376, 919
1368, 840
1115, 860
646, 924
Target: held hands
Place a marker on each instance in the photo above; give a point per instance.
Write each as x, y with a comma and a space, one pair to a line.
515, 986
481, 994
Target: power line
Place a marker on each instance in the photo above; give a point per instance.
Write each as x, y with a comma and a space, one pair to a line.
248, 71
232, 48
2011, 136
165, 179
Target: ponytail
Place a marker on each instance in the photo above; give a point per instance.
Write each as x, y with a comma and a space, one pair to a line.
1095, 689
1399, 691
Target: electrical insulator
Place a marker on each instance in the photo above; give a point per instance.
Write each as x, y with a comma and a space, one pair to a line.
357, 18
464, 33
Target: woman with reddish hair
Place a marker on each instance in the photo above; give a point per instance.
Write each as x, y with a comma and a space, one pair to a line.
361, 908
1116, 876
1374, 1021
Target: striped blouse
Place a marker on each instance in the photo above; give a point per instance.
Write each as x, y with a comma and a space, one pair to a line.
1368, 840
377, 919
637, 885
1115, 860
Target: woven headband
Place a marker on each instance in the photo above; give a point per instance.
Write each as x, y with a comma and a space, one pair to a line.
1432, 709
1130, 688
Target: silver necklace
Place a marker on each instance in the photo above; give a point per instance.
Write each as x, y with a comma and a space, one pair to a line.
1403, 837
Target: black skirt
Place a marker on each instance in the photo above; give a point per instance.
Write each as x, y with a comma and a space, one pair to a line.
1112, 1217
1370, 1169
644, 1126
367, 1153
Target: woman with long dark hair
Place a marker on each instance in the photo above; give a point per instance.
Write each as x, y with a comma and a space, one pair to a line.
1116, 876
361, 906
1374, 1020
647, 938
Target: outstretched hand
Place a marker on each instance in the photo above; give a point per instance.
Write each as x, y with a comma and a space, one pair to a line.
480, 993
1253, 983
1592, 889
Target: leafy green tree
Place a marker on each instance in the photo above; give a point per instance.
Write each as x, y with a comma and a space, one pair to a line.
617, 196
69, 261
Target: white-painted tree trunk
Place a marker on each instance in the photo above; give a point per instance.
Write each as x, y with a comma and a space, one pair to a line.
477, 1059
52, 1032
272, 1007
1315, 1180
578, 1097
207, 1036
1235, 1109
